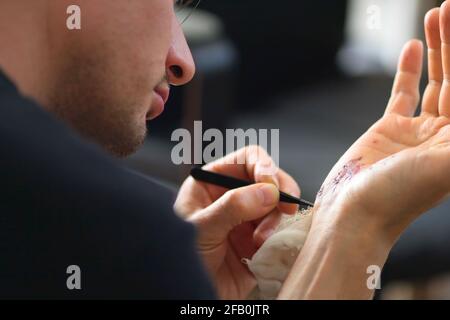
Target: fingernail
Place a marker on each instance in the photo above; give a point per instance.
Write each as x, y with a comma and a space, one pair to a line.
269, 194
269, 179
267, 169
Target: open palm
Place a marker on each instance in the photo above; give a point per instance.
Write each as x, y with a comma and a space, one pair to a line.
403, 161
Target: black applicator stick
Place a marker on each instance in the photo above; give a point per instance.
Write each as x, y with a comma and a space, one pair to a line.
233, 183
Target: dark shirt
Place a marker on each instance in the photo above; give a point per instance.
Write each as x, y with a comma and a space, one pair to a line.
64, 202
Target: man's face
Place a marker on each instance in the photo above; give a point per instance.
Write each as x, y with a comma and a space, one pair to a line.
113, 75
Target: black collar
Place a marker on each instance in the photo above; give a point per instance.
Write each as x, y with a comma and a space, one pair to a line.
5, 82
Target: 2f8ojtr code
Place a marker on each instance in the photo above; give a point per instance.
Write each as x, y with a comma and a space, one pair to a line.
250, 310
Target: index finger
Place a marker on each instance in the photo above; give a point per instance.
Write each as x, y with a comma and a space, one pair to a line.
253, 163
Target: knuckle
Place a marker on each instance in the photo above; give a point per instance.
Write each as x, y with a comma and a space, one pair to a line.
231, 202
232, 207
256, 149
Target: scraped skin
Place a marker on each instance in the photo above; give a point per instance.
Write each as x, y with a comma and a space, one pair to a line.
400, 151
274, 259
388, 146
395, 172
351, 169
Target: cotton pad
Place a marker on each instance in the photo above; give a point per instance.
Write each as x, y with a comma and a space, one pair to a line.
272, 262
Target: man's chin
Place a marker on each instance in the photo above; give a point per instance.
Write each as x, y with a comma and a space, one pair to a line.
120, 144
126, 149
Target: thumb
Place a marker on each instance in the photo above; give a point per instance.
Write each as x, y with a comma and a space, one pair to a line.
235, 207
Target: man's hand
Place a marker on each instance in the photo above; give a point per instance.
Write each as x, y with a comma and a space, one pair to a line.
396, 171
232, 224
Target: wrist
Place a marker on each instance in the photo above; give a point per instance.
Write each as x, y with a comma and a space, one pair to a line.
346, 218
334, 262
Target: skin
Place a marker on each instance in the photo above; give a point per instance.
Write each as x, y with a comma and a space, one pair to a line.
102, 81
233, 224
404, 170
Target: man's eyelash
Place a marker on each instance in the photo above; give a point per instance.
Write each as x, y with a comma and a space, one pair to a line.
186, 5
183, 3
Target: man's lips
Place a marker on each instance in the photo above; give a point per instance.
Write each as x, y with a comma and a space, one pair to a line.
163, 92
160, 98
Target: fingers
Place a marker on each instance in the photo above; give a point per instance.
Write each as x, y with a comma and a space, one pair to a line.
266, 228
405, 92
253, 163
234, 208
240, 164
444, 19
430, 102
288, 185
268, 224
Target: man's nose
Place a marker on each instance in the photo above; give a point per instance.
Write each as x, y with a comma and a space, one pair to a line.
180, 64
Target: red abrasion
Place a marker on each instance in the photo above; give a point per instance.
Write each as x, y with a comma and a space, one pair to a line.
345, 174
348, 171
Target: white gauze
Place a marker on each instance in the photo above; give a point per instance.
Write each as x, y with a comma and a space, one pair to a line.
272, 262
